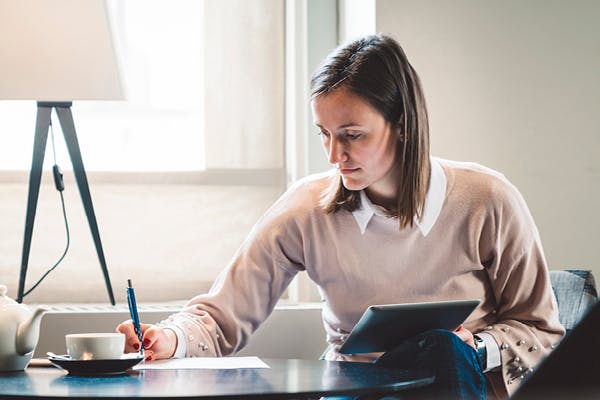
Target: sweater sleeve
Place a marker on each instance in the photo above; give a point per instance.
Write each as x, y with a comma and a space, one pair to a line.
245, 293
525, 321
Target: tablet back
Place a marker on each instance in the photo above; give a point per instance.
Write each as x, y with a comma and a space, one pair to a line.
383, 327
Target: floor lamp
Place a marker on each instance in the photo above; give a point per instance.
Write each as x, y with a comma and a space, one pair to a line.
55, 52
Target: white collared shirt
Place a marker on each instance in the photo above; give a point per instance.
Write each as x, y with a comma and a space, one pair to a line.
433, 202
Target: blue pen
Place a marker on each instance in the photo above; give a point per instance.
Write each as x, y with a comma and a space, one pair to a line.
135, 317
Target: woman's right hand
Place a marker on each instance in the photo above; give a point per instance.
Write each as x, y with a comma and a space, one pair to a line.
159, 342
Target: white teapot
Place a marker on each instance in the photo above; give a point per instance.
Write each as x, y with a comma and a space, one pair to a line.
19, 332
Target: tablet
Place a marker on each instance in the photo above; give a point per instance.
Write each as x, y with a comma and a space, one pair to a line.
382, 327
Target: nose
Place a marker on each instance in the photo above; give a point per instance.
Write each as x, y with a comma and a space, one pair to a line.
336, 152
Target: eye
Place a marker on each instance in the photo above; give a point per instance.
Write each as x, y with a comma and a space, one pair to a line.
353, 136
323, 133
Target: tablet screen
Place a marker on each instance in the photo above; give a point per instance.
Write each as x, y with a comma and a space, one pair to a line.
382, 327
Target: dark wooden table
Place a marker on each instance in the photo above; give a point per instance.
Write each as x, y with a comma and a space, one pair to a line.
285, 379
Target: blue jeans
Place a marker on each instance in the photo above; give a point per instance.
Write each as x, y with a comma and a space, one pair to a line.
457, 369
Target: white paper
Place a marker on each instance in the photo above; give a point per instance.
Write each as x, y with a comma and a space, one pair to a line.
204, 363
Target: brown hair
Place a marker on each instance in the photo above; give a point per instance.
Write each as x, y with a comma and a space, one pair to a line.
376, 69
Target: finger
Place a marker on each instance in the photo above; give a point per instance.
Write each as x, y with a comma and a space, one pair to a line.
150, 337
465, 335
124, 327
462, 334
135, 341
149, 355
159, 342
132, 344
145, 327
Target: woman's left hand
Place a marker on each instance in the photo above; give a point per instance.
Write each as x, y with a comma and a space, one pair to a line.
465, 335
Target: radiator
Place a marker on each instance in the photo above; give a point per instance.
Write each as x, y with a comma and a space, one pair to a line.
290, 332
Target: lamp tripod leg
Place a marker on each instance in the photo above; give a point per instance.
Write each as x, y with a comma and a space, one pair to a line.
68, 127
35, 177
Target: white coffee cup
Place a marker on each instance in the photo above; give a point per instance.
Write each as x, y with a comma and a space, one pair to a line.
95, 346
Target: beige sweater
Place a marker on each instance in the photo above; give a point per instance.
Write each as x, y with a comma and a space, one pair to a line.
480, 243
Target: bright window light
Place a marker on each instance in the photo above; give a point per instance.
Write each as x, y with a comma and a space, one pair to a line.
160, 125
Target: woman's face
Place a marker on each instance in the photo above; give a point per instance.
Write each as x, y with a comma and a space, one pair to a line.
359, 142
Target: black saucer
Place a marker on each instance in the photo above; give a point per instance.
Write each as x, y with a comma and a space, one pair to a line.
95, 367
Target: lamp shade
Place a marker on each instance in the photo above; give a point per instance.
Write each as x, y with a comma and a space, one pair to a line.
57, 50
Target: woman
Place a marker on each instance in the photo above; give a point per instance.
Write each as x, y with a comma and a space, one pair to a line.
389, 224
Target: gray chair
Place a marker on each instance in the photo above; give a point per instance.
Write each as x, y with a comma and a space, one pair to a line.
572, 370
575, 292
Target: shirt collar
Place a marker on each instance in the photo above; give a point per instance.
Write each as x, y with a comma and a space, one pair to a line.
433, 202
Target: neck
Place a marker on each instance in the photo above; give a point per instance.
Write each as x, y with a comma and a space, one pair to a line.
385, 192
387, 202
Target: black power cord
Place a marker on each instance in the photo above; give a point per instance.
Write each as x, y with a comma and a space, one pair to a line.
60, 186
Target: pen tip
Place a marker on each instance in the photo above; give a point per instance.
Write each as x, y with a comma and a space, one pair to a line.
129, 283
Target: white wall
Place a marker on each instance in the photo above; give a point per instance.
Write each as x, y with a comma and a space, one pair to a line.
184, 234
515, 85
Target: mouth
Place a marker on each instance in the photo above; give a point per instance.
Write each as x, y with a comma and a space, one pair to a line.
348, 171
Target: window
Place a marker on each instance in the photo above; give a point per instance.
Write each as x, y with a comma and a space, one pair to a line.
204, 87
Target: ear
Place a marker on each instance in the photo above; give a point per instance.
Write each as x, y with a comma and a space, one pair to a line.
399, 131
